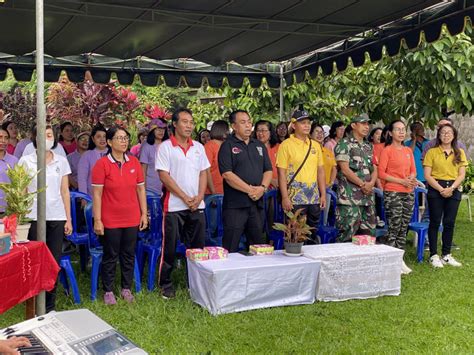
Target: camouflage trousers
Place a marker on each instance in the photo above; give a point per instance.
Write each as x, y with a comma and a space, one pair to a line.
398, 210
350, 219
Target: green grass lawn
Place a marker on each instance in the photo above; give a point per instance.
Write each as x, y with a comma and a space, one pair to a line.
433, 314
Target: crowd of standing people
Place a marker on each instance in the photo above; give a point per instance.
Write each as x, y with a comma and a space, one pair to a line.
242, 161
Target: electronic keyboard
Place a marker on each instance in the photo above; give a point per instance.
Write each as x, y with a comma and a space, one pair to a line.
71, 332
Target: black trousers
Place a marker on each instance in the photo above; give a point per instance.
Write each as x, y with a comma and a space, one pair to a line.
186, 226
54, 241
313, 213
118, 243
445, 209
237, 221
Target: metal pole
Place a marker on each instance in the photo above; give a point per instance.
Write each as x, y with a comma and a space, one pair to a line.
282, 102
41, 136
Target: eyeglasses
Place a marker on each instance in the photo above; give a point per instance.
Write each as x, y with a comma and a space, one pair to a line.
122, 138
446, 134
401, 130
262, 130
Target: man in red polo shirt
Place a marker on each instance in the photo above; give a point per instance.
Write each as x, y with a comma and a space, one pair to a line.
182, 164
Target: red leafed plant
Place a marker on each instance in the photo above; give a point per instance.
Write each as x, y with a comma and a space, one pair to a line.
87, 103
155, 111
19, 106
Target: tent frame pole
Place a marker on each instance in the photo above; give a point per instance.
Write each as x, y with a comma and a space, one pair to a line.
41, 137
282, 101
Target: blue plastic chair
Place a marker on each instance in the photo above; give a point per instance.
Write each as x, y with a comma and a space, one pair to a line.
278, 217
381, 231
153, 228
420, 228
96, 252
151, 244
214, 204
78, 237
328, 232
67, 273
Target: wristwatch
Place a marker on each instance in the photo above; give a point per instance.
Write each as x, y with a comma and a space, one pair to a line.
265, 189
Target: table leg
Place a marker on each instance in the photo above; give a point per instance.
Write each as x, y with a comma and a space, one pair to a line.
30, 308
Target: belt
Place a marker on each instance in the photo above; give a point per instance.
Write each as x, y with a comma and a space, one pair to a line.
445, 183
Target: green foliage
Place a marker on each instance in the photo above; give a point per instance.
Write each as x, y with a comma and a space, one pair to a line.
296, 229
468, 183
418, 85
206, 112
418, 321
18, 200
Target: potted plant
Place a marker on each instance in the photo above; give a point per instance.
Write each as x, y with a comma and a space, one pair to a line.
295, 231
18, 200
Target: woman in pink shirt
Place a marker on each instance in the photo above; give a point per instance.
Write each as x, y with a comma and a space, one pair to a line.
336, 133
398, 171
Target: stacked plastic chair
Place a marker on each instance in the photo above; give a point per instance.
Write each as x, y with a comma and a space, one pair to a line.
96, 253
67, 276
278, 217
415, 225
213, 214
327, 231
150, 244
78, 237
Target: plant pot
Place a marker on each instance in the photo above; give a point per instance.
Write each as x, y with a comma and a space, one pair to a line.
293, 248
22, 232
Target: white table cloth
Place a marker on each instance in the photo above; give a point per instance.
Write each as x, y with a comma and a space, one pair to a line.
241, 283
351, 271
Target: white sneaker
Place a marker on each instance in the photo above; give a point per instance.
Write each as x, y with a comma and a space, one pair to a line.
405, 269
449, 260
436, 261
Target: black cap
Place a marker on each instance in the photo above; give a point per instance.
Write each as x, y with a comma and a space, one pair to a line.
299, 115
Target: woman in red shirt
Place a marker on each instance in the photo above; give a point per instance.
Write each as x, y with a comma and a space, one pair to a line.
119, 201
398, 171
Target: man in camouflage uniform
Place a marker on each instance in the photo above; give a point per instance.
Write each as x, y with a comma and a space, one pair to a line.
356, 176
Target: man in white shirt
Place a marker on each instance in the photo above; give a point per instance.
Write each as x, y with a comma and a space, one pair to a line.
181, 163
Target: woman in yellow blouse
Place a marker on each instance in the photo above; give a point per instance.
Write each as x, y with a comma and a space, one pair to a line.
329, 161
445, 169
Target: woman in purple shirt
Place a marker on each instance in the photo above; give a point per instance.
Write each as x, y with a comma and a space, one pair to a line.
7, 161
158, 133
96, 150
74, 157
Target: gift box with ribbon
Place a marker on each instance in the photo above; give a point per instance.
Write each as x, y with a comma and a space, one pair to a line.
261, 249
363, 240
197, 254
216, 253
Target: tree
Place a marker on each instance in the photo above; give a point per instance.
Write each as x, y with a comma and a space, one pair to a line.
422, 84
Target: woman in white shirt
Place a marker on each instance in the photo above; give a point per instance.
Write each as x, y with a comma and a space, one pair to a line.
58, 214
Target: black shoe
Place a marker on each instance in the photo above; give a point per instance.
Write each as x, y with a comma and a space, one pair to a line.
168, 293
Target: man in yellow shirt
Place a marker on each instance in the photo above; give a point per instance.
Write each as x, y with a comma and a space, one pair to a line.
301, 172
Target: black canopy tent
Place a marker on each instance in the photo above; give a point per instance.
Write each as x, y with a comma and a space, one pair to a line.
225, 38
232, 39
